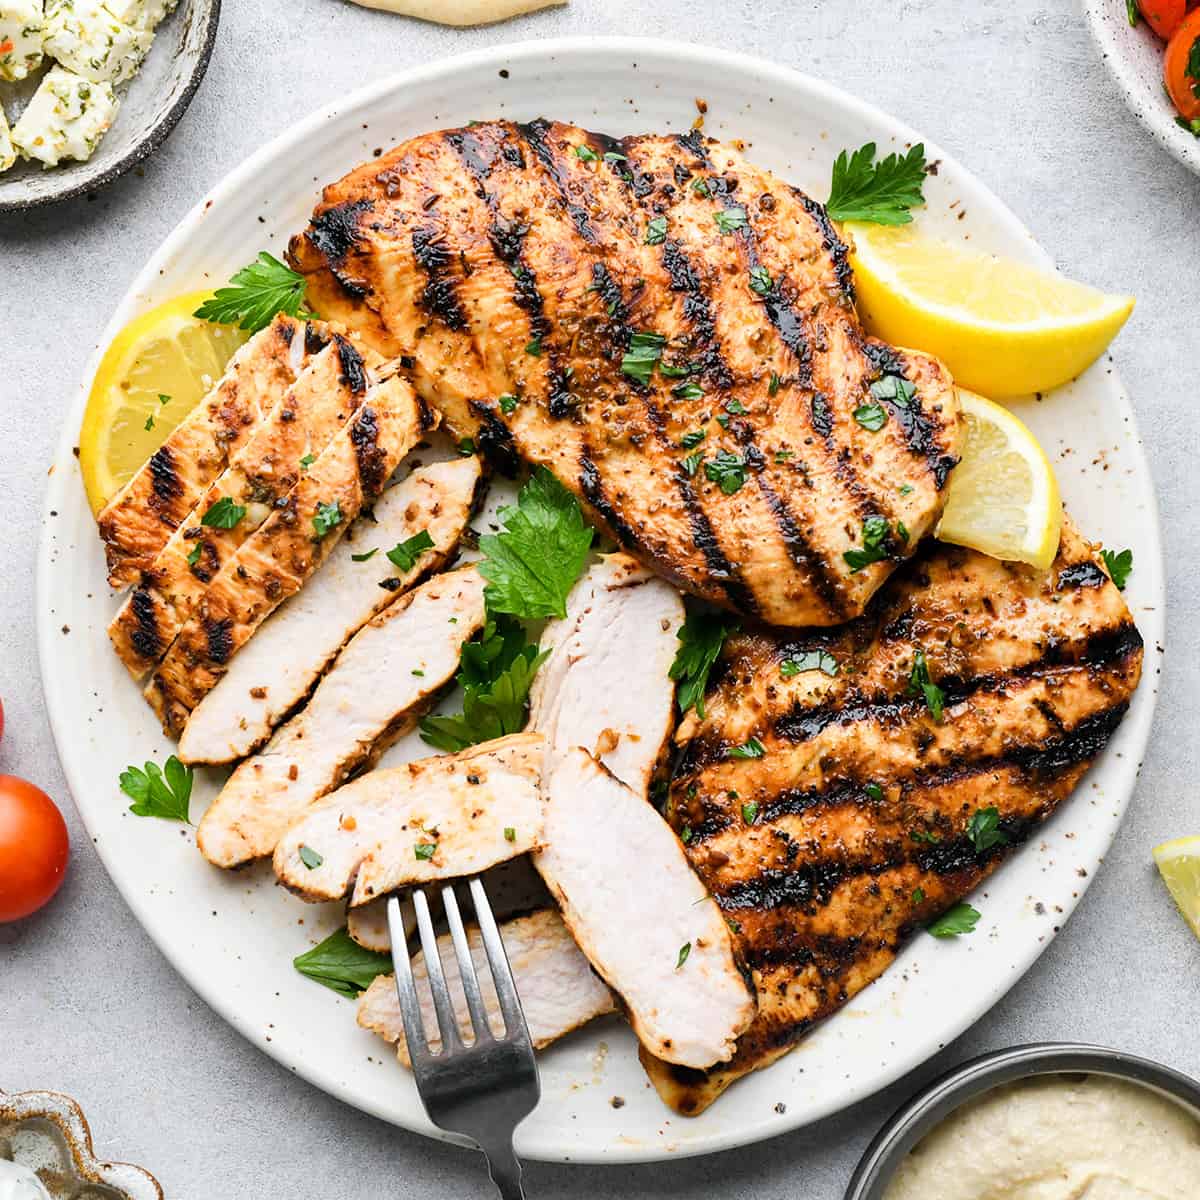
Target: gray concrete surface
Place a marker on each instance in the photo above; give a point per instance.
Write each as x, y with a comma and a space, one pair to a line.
1014, 88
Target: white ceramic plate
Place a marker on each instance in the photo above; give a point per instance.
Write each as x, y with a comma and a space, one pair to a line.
233, 935
1134, 57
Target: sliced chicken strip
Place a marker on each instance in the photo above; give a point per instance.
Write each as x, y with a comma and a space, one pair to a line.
260, 474
605, 685
558, 989
279, 666
439, 818
663, 944
136, 523
379, 685
277, 560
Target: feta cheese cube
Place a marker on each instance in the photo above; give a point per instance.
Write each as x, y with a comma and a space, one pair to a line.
20, 38
8, 152
141, 14
66, 118
87, 39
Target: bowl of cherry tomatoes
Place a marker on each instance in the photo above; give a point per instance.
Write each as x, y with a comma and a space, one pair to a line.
1152, 48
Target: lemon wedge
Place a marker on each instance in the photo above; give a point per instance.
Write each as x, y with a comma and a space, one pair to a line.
153, 374
1003, 498
1003, 328
1179, 865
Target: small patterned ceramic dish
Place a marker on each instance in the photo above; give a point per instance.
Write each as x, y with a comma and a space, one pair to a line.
48, 1133
1134, 56
151, 105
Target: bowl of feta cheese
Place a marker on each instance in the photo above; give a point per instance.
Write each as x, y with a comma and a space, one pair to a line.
89, 88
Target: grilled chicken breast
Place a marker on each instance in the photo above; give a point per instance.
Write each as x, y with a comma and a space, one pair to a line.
851, 829
387, 675
605, 684
440, 818
278, 558
262, 471
676, 329
682, 990
559, 991
136, 523
279, 666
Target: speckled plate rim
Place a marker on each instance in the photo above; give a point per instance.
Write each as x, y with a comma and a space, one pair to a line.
154, 138
930, 1107
734, 1121
1109, 25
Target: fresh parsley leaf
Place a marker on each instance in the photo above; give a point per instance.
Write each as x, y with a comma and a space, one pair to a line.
149, 425
256, 293
918, 895
875, 535
684, 951
639, 361
919, 684
749, 749
760, 281
508, 404
326, 518
984, 830
729, 220
534, 347
224, 514
194, 554
1134, 13
404, 554
880, 192
342, 965
510, 834
905, 489
1193, 126
962, 918
164, 399
466, 447
874, 791
894, 388
676, 370
736, 407
611, 156
728, 470
1119, 566
685, 835
424, 851
1192, 70
783, 456
159, 792
310, 858
902, 531
307, 461
871, 416
750, 812
701, 637
532, 563
692, 439
773, 385
586, 153
810, 660
688, 391
924, 835
700, 187
656, 231
691, 464
365, 557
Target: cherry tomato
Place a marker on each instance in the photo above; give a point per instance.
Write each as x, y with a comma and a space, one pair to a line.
1163, 16
33, 848
1181, 67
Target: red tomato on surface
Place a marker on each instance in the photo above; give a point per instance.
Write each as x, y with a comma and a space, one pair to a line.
33, 848
1181, 67
1163, 16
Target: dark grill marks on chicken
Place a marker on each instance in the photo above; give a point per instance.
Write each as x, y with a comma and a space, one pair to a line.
852, 830
526, 259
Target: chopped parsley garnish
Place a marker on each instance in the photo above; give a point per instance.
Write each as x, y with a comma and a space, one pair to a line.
750, 812
194, 554
984, 830
1133, 12
611, 156
684, 951
688, 391
871, 416
645, 350
701, 637
508, 404
905, 489
773, 386
1119, 566
700, 187
404, 554
656, 231
676, 370
533, 562
424, 851
1193, 126
918, 895
760, 281
159, 792
586, 153
510, 834
729, 220
342, 965
782, 456
256, 293
310, 858
919, 684
926, 836
163, 398
894, 388
307, 461
902, 531
149, 425
691, 464
875, 535
736, 407
692, 439
327, 518
962, 918
880, 192
727, 470
1192, 70
685, 835
224, 514
466, 447
365, 557
534, 347
874, 791
810, 660
749, 749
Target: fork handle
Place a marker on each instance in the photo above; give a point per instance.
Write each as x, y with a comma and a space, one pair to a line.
505, 1170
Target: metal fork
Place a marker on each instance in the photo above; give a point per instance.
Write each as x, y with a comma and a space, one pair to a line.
485, 1089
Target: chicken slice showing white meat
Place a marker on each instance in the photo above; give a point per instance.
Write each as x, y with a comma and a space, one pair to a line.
276, 669
558, 989
605, 685
438, 818
375, 691
661, 944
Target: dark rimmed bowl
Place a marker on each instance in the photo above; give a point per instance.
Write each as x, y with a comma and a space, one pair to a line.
932, 1106
151, 105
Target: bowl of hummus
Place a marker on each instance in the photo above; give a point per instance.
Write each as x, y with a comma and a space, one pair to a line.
1054, 1121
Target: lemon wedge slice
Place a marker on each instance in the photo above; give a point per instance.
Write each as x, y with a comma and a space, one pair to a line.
153, 374
1003, 328
1003, 498
1179, 865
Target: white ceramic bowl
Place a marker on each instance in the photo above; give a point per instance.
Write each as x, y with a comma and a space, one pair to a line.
1134, 57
